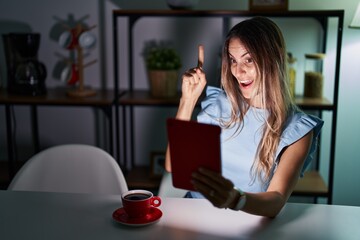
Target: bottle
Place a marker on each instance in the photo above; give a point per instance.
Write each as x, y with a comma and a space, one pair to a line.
314, 79
291, 73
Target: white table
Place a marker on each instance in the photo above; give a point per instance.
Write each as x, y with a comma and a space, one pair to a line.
33, 215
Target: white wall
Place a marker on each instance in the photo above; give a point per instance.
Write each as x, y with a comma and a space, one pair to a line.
347, 164
63, 125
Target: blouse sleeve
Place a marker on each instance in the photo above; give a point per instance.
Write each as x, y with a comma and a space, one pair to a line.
214, 106
298, 126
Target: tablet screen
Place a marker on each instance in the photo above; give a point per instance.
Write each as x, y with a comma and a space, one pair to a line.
192, 145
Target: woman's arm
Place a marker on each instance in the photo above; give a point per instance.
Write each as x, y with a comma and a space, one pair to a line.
284, 180
193, 84
218, 190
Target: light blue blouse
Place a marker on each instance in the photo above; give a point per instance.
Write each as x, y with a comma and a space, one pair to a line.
238, 149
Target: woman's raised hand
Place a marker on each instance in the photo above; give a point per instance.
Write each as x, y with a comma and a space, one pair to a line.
194, 80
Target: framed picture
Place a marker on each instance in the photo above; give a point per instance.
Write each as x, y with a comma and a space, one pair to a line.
157, 164
268, 5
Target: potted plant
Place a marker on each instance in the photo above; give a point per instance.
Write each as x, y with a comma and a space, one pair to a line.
163, 64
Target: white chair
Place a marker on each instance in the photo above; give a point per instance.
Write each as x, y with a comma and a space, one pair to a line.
167, 189
71, 168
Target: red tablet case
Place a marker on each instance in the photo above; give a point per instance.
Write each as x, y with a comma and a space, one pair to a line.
192, 145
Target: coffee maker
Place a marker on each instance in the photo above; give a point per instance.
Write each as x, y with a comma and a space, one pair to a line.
25, 74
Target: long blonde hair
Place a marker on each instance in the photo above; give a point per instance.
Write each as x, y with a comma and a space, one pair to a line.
264, 41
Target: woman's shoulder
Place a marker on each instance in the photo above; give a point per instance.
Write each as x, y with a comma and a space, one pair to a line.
216, 104
214, 95
299, 124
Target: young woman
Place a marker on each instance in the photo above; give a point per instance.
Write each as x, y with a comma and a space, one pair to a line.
266, 141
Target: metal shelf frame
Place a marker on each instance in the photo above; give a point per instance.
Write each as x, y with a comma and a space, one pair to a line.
132, 97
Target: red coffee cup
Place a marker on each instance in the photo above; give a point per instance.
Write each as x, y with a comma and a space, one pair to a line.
137, 203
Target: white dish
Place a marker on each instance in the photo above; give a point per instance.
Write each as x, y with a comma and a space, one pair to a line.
87, 40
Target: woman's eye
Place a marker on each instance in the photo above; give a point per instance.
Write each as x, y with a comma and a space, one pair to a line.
232, 60
249, 60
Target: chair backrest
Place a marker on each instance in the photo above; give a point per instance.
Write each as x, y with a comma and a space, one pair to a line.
72, 168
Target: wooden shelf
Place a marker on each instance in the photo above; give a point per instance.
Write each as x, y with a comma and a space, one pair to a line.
143, 97
313, 103
222, 13
312, 184
58, 96
139, 177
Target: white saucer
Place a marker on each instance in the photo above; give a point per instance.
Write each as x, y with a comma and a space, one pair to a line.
120, 216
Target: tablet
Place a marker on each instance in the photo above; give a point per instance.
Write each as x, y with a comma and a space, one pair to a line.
192, 145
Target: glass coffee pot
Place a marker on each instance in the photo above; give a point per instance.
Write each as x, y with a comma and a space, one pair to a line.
26, 75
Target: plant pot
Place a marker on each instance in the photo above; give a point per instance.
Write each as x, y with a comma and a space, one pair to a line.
163, 83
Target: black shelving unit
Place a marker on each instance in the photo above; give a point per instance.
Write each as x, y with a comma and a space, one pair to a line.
312, 184
55, 97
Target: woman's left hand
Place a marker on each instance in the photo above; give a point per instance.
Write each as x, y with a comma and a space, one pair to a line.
217, 189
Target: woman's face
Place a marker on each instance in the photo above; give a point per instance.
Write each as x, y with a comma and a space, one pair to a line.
242, 67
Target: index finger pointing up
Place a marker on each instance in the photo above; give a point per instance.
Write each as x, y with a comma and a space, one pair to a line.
201, 56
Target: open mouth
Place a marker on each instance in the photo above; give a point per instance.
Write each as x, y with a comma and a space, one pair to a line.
246, 83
